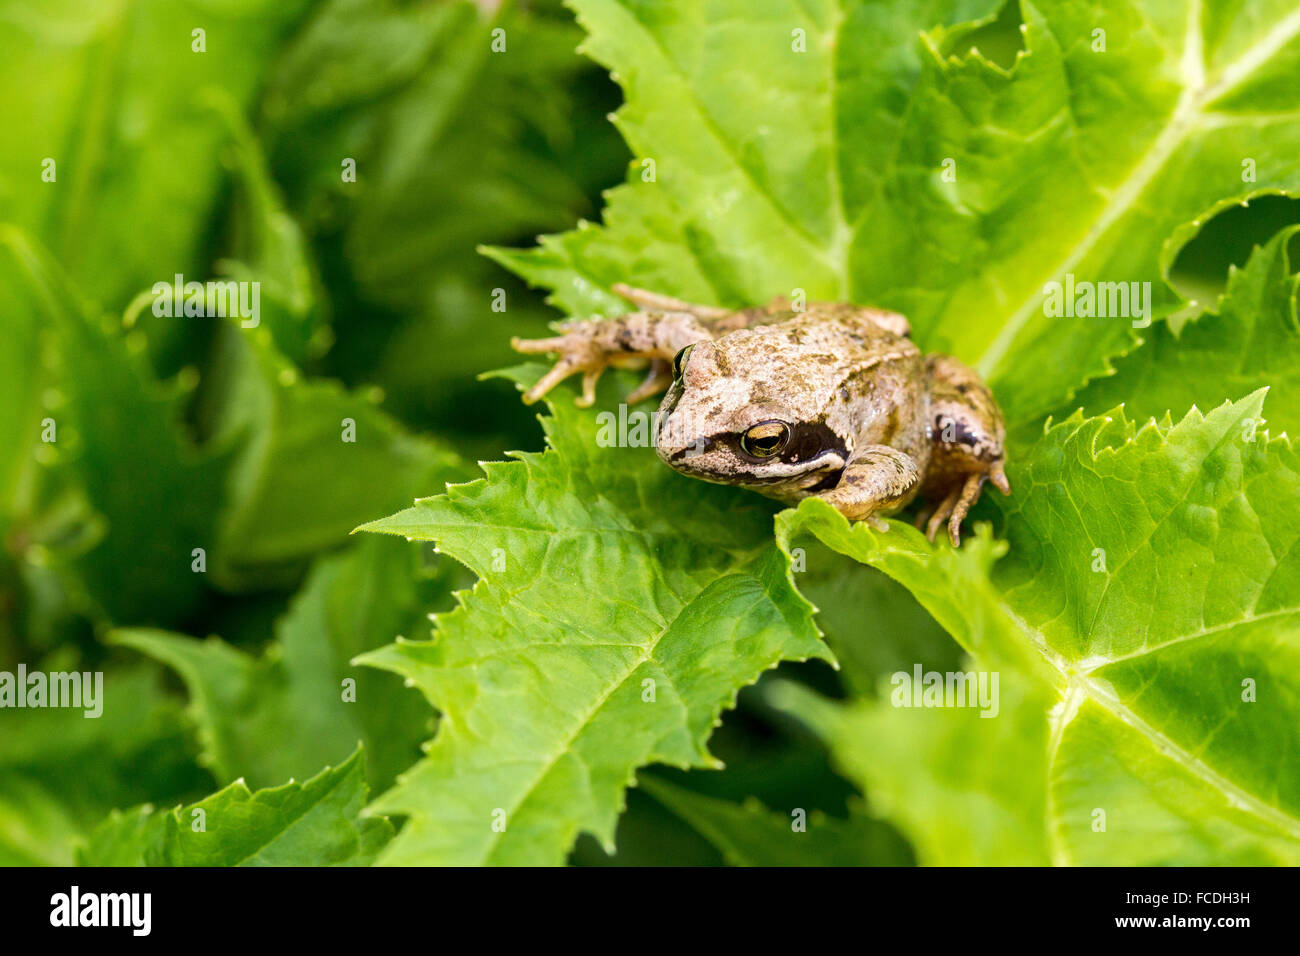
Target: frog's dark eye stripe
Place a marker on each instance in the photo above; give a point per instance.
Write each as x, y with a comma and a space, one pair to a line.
679, 360
765, 439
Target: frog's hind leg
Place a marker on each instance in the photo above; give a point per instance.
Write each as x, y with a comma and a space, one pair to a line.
968, 438
653, 300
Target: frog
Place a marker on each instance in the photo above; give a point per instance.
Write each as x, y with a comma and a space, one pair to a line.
798, 399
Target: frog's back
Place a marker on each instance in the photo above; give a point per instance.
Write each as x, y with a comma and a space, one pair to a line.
849, 332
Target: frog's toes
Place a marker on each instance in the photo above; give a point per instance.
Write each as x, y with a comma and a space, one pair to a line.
999, 479
969, 494
589, 380
577, 354
558, 373
855, 508
539, 346
646, 299
940, 513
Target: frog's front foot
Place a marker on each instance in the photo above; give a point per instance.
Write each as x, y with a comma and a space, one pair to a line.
579, 351
590, 346
856, 510
877, 478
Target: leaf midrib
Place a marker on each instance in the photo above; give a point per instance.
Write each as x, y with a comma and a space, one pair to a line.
1078, 682
1088, 665
295, 821
566, 744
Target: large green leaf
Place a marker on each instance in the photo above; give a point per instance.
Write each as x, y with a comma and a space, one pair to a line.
62, 771
114, 93
1143, 619
317, 459
289, 713
120, 439
321, 822
824, 170
1253, 339
619, 609
455, 142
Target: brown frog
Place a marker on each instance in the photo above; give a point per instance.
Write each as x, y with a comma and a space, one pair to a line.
833, 400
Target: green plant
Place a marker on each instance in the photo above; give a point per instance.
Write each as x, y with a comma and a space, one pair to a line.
1138, 596
1143, 577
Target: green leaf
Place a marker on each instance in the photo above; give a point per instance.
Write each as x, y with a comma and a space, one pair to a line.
317, 460
453, 145
61, 771
23, 373
121, 441
26, 372
871, 622
966, 791
751, 835
604, 577
285, 714
1253, 339
291, 466
1143, 620
321, 822
271, 250
875, 167
113, 94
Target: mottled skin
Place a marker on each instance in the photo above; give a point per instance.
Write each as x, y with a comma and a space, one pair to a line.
833, 400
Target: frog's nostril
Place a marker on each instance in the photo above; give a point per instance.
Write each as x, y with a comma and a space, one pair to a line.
691, 449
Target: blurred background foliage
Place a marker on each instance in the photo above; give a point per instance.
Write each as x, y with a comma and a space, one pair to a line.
128, 157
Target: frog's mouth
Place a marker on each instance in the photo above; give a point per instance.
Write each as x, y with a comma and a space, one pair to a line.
826, 465
719, 458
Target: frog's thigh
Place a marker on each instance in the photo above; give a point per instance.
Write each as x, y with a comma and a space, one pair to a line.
877, 478
966, 424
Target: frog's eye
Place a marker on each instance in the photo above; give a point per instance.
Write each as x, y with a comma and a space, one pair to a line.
679, 361
765, 439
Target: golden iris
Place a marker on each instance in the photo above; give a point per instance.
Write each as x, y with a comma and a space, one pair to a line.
765, 439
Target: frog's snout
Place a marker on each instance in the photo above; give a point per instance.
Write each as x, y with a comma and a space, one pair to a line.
677, 442
693, 450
